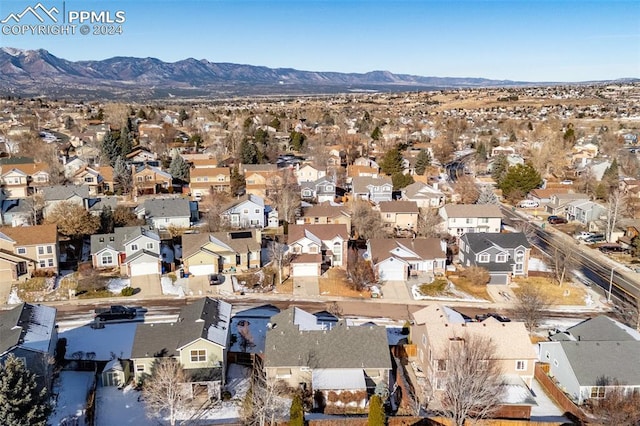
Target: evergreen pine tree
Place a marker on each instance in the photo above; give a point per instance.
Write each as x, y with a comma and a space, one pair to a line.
248, 152
125, 142
481, 152
237, 181
122, 176
499, 168
392, 162
376, 134
22, 402
521, 177
376, 412
179, 168
110, 148
487, 196
400, 180
296, 412
611, 174
423, 160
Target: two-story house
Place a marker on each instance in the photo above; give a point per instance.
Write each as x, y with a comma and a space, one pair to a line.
585, 211
557, 204
164, 213
436, 328
425, 196
133, 249
19, 180
299, 349
593, 358
326, 213
38, 243
401, 215
198, 339
308, 173
13, 267
317, 246
503, 255
245, 212
98, 179
396, 259
29, 332
460, 219
320, 191
150, 180
375, 189
54, 195
204, 181
259, 177
221, 252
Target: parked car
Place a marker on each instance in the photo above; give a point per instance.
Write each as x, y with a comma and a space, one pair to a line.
528, 204
116, 312
216, 279
597, 238
612, 249
584, 235
554, 220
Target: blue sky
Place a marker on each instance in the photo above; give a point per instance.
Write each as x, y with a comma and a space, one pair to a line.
565, 40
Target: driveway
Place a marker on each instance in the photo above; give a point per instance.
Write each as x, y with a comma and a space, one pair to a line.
306, 287
395, 290
149, 285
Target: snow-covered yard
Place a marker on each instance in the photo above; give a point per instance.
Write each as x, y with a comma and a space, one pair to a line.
71, 389
169, 287
120, 407
115, 285
112, 340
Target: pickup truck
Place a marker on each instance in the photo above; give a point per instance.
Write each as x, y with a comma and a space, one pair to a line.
116, 312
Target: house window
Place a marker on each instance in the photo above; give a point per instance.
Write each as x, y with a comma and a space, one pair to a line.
134, 247
49, 249
148, 177
88, 179
483, 258
468, 221
43, 264
484, 220
150, 246
501, 258
245, 211
316, 220
198, 355
40, 249
439, 384
140, 368
139, 178
597, 392
313, 249
21, 250
519, 256
257, 211
306, 193
462, 245
107, 259
441, 365
50, 263
337, 252
521, 365
388, 215
220, 178
283, 373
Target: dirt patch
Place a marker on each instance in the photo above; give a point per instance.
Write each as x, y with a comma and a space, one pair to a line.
467, 286
437, 288
335, 283
569, 294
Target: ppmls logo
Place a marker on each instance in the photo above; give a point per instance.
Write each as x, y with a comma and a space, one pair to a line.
53, 22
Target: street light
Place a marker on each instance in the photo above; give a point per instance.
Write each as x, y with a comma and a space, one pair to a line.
610, 284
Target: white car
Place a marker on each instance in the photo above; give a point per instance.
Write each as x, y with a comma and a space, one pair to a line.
528, 204
584, 235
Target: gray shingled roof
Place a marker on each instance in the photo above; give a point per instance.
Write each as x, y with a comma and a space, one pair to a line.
64, 192
167, 207
482, 241
600, 328
239, 241
97, 204
206, 318
592, 361
341, 347
119, 237
360, 184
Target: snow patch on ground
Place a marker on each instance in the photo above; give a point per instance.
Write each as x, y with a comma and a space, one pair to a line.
71, 389
120, 407
536, 264
171, 288
14, 299
115, 285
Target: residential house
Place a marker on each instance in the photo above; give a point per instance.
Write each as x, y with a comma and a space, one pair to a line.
502, 150
221, 252
96, 205
375, 189
436, 328
503, 255
199, 340
135, 250
302, 351
54, 195
98, 179
320, 191
316, 247
29, 332
19, 180
17, 211
203, 181
150, 180
38, 243
141, 155
593, 357
13, 267
543, 196
425, 196
71, 165
361, 171
558, 203
401, 215
397, 259
308, 173
245, 212
631, 230
259, 177
461, 219
163, 213
584, 211
325, 213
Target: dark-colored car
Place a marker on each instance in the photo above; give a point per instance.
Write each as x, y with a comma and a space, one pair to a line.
554, 220
598, 238
116, 312
499, 317
612, 249
216, 279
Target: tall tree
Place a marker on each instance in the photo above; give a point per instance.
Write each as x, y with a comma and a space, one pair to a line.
182, 116
376, 134
285, 195
163, 390
124, 216
73, 220
487, 196
296, 140
531, 306
263, 401
125, 141
391, 162
106, 220
499, 167
238, 181
365, 222
466, 187
473, 384
360, 272
248, 152
611, 175
400, 180
22, 401
296, 412
521, 178
110, 148
423, 160
122, 175
376, 415
564, 258
179, 168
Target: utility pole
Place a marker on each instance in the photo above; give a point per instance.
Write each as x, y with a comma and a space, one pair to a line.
610, 284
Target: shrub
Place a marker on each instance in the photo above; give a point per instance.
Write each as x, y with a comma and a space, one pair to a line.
173, 277
128, 291
477, 275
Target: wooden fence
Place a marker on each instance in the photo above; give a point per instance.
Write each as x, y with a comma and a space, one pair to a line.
555, 393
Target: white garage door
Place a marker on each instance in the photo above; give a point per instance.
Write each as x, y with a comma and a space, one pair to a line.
144, 268
392, 274
305, 270
201, 270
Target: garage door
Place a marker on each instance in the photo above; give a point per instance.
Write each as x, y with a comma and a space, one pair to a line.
201, 270
392, 274
306, 269
144, 268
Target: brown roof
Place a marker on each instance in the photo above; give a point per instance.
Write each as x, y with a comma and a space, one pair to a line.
209, 171
106, 172
472, 210
26, 168
398, 207
307, 258
322, 231
199, 163
324, 210
355, 171
425, 248
548, 192
32, 235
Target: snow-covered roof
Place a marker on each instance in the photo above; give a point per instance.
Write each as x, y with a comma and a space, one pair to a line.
39, 329
306, 321
218, 330
338, 379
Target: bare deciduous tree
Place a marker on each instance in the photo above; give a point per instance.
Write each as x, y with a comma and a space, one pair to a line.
473, 383
73, 220
214, 205
564, 258
163, 390
278, 254
365, 221
285, 195
428, 223
466, 187
617, 407
263, 403
614, 206
531, 306
360, 272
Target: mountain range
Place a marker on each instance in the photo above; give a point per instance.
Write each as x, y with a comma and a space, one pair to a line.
39, 73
